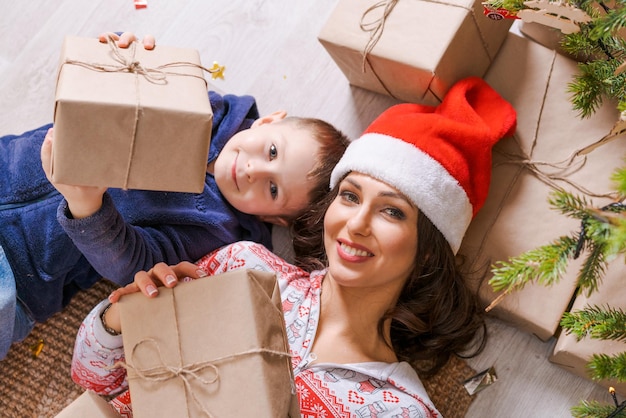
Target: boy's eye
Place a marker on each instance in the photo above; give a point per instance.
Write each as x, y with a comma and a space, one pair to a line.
273, 152
273, 190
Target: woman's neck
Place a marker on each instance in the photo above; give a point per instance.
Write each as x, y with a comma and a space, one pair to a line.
348, 326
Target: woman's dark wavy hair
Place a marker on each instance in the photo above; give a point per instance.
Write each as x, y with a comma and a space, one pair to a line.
438, 315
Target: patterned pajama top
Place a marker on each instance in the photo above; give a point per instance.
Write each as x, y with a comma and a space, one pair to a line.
362, 390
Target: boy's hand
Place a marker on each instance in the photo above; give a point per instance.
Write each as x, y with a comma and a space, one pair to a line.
161, 274
127, 38
82, 201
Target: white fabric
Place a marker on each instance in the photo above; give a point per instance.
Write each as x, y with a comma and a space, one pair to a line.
415, 174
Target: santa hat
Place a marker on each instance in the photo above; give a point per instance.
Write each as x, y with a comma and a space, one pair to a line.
439, 157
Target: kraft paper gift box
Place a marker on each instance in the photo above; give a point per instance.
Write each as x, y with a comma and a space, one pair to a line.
574, 355
226, 336
517, 216
131, 118
91, 405
421, 49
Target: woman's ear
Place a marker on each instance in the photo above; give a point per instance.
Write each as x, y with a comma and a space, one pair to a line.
272, 117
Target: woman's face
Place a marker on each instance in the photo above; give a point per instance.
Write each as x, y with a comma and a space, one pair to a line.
370, 234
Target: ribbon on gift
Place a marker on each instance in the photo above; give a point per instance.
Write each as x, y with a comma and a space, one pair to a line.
127, 63
573, 163
377, 26
163, 372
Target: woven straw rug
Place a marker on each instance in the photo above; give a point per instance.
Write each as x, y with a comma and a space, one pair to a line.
40, 385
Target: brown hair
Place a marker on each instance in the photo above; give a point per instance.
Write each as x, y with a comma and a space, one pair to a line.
437, 314
333, 143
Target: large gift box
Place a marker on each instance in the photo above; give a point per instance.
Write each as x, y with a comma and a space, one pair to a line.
131, 118
91, 405
216, 347
517, 216
413, 50
574, 355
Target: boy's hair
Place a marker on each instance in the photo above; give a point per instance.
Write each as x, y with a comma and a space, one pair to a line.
333, 143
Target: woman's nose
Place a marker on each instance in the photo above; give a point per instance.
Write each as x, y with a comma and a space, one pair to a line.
359, 223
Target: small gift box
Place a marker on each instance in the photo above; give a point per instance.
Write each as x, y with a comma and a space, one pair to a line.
574, 355
216, 347
131, 118
412, 50
517, 216
89, 404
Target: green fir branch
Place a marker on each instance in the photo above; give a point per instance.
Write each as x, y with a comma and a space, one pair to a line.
604, 366
568, 204
544, 265
608, 25
619, 178
594, 409
593, 269
603, 323
595, 82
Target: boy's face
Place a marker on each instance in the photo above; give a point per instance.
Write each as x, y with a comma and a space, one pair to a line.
262, 170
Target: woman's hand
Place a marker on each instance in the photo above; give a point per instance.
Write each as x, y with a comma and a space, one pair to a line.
161, 274
127, 38
82, 201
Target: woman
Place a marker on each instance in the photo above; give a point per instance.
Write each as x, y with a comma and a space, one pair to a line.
389, 291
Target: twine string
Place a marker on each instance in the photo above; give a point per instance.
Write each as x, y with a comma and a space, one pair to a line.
376, 27
563, 169
163, 371
127, 63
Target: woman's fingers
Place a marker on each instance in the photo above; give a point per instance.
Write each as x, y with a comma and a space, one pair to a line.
126, 290
147, 282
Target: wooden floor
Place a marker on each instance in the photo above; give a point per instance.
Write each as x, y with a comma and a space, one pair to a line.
270, 51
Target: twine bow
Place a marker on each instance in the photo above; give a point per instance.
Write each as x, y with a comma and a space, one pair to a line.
163, 371
377, 26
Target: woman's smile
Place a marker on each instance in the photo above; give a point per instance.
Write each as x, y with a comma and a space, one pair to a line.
352, 252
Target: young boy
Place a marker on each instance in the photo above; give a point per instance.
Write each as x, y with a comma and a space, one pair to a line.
57, 239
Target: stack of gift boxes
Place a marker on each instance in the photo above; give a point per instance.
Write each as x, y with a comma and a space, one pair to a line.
414, 51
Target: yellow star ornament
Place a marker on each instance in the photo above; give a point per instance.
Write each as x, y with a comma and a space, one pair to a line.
217, 71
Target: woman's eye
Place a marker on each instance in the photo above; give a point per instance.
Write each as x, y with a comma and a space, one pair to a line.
273, 190
273, 152
395, 213
349, 196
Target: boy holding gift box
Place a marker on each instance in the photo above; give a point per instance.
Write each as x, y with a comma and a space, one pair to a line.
57, 239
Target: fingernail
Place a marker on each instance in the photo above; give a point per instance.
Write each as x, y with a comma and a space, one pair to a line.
151, 289
201, 273
169, 279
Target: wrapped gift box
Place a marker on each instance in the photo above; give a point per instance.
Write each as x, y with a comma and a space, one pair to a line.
423, 48
91, 405
574, 355
146, 128
226, 333
517, 216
